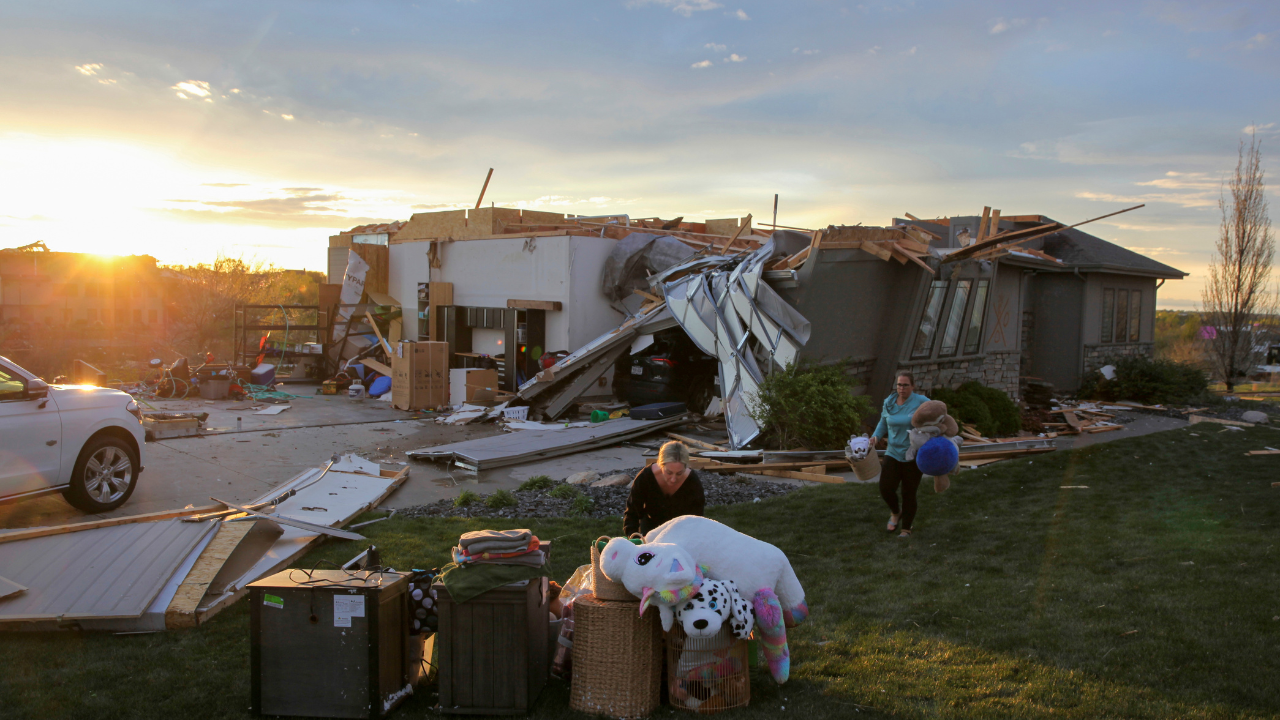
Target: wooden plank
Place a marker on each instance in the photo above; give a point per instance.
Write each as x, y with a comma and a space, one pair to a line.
912, 217
994, 227
1103, 428
982, 226
815, 469
736, 234
1072, 420
483, 188
913, 244
996, 244
982, 454
876, 249
376, 366
648, 296
694, 442
1263, 452
35, 532
379, 259
182, 609
549, 305
795, 475
385, 346
920, 262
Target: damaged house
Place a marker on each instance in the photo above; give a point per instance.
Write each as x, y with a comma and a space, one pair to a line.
999, 300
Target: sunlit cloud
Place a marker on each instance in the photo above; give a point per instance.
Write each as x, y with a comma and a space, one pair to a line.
714, 47
1257, 41
198, 88
1000, 25
1187, 200
702, 64
1154, 251
1267, 129
735, 57
741, 15
91, 69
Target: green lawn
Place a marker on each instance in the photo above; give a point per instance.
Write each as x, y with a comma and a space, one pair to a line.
1153, 593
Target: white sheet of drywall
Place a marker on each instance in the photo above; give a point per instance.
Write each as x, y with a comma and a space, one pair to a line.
407, 266
588, 310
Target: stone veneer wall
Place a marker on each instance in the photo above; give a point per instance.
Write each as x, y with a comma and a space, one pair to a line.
997, 370
1095, 356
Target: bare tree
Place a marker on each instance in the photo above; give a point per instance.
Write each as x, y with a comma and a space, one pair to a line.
1235, 297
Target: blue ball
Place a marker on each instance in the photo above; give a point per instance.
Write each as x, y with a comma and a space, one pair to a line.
937, 457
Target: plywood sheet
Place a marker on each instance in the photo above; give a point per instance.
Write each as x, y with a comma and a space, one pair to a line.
540, 217
100, 573
423, 226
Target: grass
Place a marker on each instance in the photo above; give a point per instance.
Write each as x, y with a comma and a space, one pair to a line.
501, 499
537, 482
566, 492
1151, 594
465, 498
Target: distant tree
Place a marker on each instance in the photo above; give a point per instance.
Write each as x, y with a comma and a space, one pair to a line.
1236, 294
204, 297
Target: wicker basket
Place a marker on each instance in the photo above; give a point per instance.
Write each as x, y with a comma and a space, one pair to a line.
617, 659
868, 467
602, 587
707, 675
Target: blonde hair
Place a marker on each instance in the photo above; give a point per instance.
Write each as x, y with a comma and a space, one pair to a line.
673, 452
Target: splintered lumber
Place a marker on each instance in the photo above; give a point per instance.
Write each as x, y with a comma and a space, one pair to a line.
647, 296
378, 332
794, 475
994, 227
549, 305
1013, 452
1072, 420
994, 245
9, 587
694, 442
982, 226
376, 366
483, 188
745, 224
1268, 451
35, 532
182, 609
1103, 428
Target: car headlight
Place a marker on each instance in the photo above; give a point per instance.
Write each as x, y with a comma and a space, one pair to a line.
134, 409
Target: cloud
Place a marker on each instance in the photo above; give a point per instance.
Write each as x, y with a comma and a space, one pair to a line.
912, 51
702, 64
286, 116
814, 52
1183, 181
1154, 250
198, 88
1186, 200
735, 57
716, 47
1000, 25
224, 185
1268, 129
1257, 41
91, 69
741, 15
296, 207
441, 206
680, 7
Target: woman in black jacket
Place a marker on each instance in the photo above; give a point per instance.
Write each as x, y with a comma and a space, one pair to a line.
666, 489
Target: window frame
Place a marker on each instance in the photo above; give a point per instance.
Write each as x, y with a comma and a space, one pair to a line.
957, 315
924, 311
984, 289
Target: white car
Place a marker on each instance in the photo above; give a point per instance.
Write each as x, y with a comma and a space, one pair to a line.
82, 441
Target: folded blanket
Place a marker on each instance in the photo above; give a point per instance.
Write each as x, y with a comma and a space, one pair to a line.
465, 582
462, 556
536, 559
495, 546
499, 536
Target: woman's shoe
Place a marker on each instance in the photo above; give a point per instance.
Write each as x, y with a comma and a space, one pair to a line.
893, 522
904, 534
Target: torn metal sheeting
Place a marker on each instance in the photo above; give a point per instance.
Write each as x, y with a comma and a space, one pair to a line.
9, 587
295, 522
342, 495
530, 445
102, 573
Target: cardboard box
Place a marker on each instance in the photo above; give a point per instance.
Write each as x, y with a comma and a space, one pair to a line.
420, 375
472, 385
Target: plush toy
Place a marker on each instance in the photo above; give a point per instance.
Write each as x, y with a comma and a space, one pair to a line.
761, 572
859, 448
715, 603
660, 574
931, 422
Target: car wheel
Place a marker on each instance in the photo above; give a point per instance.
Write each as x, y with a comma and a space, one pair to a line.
104, 476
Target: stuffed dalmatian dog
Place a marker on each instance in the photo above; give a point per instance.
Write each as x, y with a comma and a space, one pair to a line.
715, 603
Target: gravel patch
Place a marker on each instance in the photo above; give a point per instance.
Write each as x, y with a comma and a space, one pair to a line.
606, 501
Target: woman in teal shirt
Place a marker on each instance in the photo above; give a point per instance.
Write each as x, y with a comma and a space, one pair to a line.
895, 471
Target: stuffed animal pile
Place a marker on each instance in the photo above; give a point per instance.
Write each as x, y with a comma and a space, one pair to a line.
935, 443
683, 556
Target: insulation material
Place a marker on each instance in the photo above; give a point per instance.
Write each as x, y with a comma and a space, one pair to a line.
636, 257
732, 315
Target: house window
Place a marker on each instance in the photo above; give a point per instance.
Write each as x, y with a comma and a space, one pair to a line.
1121, 315
955, 318
1108, 313
928, 328
1135, 314
973, 337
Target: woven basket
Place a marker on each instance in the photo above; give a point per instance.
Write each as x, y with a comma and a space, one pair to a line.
617, 659
602, 587
868, 467
708, 675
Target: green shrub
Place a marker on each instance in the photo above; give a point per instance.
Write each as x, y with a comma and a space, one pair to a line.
501, 499
465, 498
581, 505
810, 406
992, 412
537, 482
1141, 379
565, 492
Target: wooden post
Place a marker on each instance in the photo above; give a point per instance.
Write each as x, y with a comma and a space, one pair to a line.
486, 187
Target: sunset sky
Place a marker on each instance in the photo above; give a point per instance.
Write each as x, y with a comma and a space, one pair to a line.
184, 130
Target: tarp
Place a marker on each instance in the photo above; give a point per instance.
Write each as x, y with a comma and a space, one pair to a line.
636, 257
